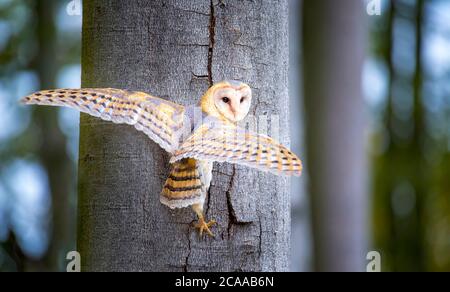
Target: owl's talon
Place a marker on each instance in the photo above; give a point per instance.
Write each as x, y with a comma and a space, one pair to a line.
203, 226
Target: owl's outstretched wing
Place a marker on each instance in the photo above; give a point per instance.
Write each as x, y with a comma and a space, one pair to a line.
157, 118
227, 143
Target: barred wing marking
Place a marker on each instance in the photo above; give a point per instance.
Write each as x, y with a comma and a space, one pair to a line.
227, 143
159, 119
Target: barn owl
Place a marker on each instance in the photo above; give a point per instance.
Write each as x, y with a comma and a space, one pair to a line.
195, 135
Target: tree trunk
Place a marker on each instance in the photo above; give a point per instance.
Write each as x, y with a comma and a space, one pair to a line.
176, 50
401, 235
53, 149
333, 58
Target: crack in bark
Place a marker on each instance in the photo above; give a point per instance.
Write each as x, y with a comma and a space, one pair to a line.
232, 219
260, 237
199, 76
193, 11
244, 45
212, 40
186, 261
208, 201
192, 45
212, 35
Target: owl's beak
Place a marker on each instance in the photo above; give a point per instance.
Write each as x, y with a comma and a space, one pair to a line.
235, 114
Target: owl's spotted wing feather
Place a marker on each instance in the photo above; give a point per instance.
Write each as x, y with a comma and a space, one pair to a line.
228, 143
157, 118
184, 186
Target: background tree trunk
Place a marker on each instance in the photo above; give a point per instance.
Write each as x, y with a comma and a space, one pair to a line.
53, 148
400, 180
176, 50
301, 236
333, 58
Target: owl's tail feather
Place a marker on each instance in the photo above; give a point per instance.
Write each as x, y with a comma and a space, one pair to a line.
184, 185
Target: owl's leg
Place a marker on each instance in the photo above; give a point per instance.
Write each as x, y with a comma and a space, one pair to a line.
202, 225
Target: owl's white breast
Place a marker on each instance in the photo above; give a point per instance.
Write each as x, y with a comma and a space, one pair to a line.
206, 168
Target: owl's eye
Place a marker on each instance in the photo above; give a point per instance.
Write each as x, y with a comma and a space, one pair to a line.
225, 99
242, 99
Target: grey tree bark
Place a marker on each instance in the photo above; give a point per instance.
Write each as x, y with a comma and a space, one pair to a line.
333, 58
176, 50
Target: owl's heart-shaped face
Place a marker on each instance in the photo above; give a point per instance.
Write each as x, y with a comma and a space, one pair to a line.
233, 102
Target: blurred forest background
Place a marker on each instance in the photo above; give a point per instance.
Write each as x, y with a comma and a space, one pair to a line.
405, 100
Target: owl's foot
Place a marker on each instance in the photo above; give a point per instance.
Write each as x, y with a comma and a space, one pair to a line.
203, 226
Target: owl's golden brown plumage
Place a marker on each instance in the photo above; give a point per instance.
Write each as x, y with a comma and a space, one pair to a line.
195, 136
